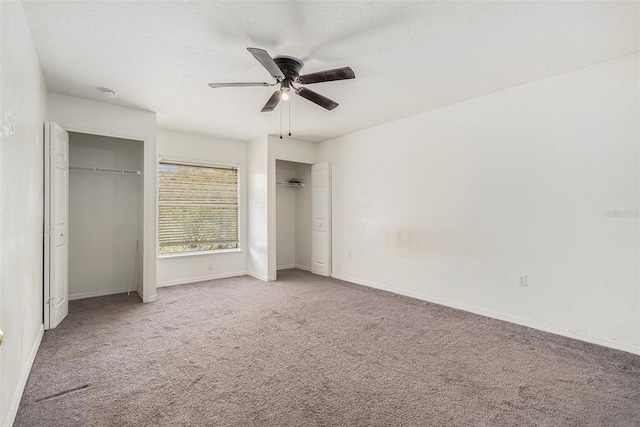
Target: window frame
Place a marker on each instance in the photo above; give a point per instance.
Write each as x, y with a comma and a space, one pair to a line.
198, 163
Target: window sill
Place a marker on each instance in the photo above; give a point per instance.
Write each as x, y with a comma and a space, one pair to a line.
221, 251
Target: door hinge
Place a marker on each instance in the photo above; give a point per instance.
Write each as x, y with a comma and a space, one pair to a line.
50, 300
49, 232
49, 151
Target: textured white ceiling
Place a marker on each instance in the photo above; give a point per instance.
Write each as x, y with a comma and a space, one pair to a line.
408, 57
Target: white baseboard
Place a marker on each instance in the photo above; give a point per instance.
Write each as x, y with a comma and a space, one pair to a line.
92, 294
258, 276
558, 330
24, 376
285, 267
303, 267
186, 280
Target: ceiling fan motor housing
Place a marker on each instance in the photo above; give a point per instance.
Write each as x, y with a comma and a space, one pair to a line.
290, 67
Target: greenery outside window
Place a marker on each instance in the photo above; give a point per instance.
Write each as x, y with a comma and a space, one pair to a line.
198, 208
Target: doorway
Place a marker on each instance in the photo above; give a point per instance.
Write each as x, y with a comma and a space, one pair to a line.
105, 215
293, 215
302, 220
94, 194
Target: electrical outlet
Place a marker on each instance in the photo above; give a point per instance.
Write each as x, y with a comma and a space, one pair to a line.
522, 280
210, 267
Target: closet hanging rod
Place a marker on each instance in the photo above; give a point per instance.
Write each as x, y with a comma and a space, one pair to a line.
108, 170
290, 184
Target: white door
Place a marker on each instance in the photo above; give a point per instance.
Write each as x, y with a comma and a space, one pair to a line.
321, 211
56, 206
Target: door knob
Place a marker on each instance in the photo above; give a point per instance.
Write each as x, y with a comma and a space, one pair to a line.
1, 336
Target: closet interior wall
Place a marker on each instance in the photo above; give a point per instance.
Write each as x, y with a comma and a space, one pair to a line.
105, 216
293, 216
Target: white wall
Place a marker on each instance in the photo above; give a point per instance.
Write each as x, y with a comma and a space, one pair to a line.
303, 217
285, 216
103, 215
22, 112
193, 268
257, 162
81, 115
452, 205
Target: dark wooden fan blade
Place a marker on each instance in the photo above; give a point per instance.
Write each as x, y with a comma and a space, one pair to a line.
267, 61
315, 97
217, 85
343, 73
272, 102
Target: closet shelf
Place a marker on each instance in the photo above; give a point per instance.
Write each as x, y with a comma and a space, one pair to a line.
107, 170
290, 184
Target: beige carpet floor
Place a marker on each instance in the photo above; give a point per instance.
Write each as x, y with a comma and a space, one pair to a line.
312, 351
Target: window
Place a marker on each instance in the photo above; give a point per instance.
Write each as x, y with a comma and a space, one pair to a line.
198, 208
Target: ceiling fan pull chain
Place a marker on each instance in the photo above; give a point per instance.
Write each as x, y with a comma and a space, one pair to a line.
280, 121
289, 118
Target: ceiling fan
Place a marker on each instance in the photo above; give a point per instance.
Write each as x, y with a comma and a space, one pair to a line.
286, 71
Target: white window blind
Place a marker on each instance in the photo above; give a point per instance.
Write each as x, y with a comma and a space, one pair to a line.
198, 208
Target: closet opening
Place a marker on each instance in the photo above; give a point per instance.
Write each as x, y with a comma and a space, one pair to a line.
293, 215
105, 216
